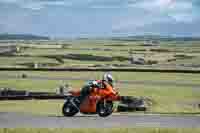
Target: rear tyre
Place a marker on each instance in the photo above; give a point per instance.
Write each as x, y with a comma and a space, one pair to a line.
104, 109
69, 109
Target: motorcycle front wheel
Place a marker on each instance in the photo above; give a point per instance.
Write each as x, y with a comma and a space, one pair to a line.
105, 108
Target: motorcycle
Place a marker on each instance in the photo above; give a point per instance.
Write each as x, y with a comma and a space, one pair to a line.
99, 101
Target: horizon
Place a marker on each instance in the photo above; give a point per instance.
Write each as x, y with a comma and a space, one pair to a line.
101, 37
95, 18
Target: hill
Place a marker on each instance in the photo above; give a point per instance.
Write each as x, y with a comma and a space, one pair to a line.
22, 37
156, 38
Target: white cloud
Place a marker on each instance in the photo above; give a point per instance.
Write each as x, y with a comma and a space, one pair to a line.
179, 10
36, 4
33, 6
157, 11
182, 6
164, 3
152, 5
182, 11
10, 1
183, 17
58, 3
43, 4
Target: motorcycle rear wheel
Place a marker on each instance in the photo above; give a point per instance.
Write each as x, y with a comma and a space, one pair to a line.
69, 109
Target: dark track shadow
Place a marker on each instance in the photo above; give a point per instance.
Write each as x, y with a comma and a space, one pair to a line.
76, 116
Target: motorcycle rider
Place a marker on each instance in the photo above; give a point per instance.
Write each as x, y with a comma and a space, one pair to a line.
85, 91
108, 78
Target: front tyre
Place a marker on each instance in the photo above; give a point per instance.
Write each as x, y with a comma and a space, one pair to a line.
69, 109
105, 108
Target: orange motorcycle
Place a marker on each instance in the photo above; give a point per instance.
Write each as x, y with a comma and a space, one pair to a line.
99, 101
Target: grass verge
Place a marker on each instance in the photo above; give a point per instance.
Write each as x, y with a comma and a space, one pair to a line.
165, 98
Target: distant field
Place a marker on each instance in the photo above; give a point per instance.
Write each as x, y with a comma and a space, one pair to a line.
53, 53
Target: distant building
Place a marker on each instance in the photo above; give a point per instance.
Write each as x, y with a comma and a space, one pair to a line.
150, 43
139, 61
36, 65
18, 49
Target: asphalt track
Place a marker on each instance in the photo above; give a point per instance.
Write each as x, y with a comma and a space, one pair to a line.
159, 83
20, 120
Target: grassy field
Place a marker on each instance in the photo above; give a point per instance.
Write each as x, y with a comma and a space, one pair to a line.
114, 130
163, 53
170, 93
167, 98
21, 61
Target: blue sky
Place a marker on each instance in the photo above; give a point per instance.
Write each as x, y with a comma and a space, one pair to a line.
83, 18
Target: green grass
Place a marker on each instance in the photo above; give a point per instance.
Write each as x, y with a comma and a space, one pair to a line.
42, 107
37, 85
104, 130
167, 98
132, 76
18, 61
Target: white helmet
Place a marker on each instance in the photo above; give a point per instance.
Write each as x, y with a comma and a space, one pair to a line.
108, 78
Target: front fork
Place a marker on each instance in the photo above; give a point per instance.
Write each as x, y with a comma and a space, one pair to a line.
73, 101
